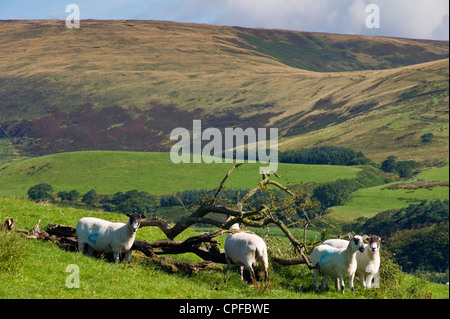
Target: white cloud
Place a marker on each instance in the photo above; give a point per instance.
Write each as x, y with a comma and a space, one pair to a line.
399, 18
415, 18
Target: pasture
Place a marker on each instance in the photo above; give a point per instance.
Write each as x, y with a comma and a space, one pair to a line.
41, 272
110, 172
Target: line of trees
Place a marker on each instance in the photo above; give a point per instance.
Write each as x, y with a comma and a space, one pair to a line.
325, 155
337, 192
320, 155
132, 201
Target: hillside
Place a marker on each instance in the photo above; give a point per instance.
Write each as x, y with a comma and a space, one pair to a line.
124, 85
40, 271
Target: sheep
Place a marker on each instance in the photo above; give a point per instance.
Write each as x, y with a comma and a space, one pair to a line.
368, 262
339, 262
246, 250
106, 237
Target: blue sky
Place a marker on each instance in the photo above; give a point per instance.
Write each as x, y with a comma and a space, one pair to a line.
424, 19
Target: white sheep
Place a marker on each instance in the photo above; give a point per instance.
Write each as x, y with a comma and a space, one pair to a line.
246, 250
107, 237
336, 262
368, 262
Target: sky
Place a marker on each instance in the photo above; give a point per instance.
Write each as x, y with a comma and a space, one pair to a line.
422, 19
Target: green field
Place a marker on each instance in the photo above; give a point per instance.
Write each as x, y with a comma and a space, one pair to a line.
436, 174
111, 172
42, 270
367, 202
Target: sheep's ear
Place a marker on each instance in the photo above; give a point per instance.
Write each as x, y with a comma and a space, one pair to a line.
350, 235
128, 214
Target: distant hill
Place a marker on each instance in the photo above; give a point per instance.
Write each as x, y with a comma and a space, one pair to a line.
124, 85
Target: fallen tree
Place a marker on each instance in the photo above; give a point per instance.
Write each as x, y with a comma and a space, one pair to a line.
278, 212
261, 217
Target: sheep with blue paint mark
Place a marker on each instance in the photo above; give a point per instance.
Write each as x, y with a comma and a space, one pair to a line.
107, 237
336, 262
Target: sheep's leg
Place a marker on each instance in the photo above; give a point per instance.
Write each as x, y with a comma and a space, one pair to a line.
252, 273
325, 282
368, 281
336, 283
90, 251
266, 274
116, 257
352, 288
376, 282
81, 247
242, 272
361, 279
316, 279
128, 256
227, 272
341, 280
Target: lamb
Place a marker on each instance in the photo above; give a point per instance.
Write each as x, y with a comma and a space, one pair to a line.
368, 262
246, 250
339, 262
106, 237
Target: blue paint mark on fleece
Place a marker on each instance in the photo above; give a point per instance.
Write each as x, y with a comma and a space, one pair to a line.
93, 238
321, 261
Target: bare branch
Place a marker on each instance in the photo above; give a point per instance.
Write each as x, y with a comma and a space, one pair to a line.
214, 200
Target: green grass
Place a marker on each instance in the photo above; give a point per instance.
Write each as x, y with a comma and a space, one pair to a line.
43, 275
110, 172
435, 174
368, 202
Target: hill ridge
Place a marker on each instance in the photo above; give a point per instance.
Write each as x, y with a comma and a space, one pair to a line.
125, 84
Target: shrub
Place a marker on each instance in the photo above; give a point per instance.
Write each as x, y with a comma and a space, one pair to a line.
40, 192
90, 198
427, 138
406, 168
389, 164
131, 202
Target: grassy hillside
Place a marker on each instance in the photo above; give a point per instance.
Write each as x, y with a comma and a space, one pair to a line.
41, 270
124, 85
110, 172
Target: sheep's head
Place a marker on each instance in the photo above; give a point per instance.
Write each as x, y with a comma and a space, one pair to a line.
374, 243
357, 242
134, 222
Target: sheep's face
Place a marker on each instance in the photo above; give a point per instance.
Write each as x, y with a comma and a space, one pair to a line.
134, 222
358, 243
374, 243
